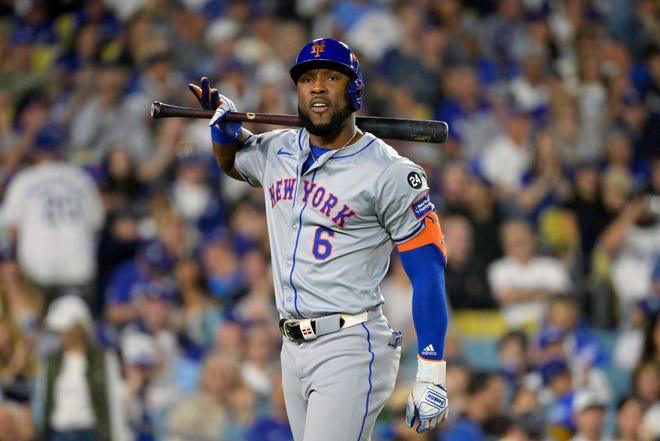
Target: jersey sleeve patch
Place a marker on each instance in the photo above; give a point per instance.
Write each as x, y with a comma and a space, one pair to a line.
431, 234
422, 206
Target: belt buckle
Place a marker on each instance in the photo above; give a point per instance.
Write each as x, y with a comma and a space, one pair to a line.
285, 329
298, 331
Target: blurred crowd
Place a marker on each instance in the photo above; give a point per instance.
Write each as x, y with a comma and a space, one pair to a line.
135, 287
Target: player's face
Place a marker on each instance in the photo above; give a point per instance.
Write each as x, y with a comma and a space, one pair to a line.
322, 104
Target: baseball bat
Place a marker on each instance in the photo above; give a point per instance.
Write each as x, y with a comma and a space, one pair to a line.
403, 129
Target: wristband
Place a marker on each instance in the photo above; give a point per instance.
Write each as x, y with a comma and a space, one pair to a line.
431, 371
225, 132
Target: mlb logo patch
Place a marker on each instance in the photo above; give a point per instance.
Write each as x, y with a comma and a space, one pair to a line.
422, 206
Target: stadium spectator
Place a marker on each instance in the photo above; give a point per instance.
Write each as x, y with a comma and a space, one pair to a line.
118, 243
242, 412
554, 346
525, 403
22, 69
514, 359
256, 306
651, 348
228, 337
15, 424
523, 281
93, 130
589, 415
156, 309
404, 66
591, 94
199, 314
465, 274
529, 88
563, 120
143, 400
25, 119
204, 413
498, 33
645, 381
556, 397
220, 267
247, 223
588, 210
639, 339
193, 197
21, 303
467, 110
584, 348
169, 227
54, 212
157, 78
546, 184
454, 178
619, 154
273, 423
487, 215
460, 374
526, 427
631, 241
257, 368
506, 158
17, 363
629, 412
76, 390
119, 181
649, 430
484, 399
152, 262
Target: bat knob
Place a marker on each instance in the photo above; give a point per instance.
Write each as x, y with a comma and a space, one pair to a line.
155, 109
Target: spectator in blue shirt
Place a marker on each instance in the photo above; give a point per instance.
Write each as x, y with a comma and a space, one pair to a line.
484, 396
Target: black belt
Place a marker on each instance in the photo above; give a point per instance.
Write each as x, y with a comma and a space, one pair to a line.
299, 331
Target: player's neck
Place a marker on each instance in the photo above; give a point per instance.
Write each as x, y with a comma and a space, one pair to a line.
346, 136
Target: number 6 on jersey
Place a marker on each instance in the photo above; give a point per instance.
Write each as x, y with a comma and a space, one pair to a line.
322, 247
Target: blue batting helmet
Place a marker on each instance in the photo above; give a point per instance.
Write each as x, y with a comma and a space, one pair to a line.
332, 54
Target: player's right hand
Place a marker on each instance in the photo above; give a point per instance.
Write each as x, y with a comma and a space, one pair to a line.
427, 405
208, 98
427, 402
224, 132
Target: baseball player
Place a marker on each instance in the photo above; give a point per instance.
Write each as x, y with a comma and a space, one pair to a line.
337, 201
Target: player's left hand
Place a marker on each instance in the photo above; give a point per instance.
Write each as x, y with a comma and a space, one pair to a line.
427, 402
209, 98
222, 131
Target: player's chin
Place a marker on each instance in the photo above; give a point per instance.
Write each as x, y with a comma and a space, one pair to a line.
325, 123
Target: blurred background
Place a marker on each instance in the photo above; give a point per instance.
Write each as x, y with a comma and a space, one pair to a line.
136, 300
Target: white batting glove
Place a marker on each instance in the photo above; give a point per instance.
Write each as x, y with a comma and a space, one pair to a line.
427, 402
224, 132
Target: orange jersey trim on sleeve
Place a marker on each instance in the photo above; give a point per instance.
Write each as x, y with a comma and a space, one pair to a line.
430, 234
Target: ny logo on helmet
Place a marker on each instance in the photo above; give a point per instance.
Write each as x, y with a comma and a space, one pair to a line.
318, 47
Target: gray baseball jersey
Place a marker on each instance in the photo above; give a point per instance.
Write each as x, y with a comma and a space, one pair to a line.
332, 229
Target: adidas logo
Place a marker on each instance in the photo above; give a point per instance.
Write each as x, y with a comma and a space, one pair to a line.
429, 350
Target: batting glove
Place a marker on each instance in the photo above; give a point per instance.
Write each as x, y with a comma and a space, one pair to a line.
427, 402
224, 132
208, 98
